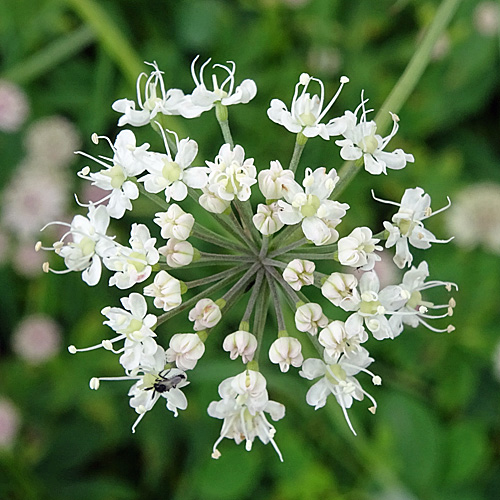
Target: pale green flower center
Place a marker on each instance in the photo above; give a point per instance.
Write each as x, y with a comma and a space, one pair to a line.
116, 175
171, 171
370, 144
311, 206
335, 373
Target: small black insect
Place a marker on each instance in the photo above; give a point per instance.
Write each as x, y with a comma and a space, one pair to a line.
164, 383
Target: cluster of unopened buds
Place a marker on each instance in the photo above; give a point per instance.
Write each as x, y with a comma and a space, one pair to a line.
268, 253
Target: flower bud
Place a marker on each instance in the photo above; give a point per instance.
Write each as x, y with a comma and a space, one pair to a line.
167, 291
240, 343
249, 382
273, 182
205, 314
309, 317
340, 289
286, 351
178, 253
212, 203
358, 249
175, 223
185, 349
299, 273
266, 220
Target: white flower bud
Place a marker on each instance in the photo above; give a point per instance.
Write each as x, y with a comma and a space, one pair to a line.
267, 220
167, 291
299, 273
340, 289
178, 253
249, 382
357, 249
343, 338
309, 317
205, 314
212, 203
175, 223
286, 351
274, 181
240, 343
185, 349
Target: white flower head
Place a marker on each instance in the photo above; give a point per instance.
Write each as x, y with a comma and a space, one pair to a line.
89, 244
185, 349
358, 249
156, 100
310, 206
407, 225
340, 289
205, 314
309, 317
337, 378
172, 175
211, 202
175, 223
177, 253
343, 338
267, 219
362, 141
286, 351
299, 273
225, 93
133, 264
240, 343
128, 161
243, 407
306, 111
275, 181
231, 176
166, 290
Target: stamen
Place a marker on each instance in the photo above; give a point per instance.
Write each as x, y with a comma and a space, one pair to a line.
388, 202
343, 81
448, 205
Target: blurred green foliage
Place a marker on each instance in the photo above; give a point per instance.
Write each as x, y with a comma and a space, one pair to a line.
436, 435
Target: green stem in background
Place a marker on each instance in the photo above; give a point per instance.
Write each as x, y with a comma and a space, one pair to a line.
300, 143
289, 247
253, 298
259, 322
214, 277
202, 233
404, 86
49, 57
244, 209
277, 306
216, 257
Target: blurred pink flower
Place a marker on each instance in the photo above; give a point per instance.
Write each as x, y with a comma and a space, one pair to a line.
9, 423
14, 107
36, 339
26, 260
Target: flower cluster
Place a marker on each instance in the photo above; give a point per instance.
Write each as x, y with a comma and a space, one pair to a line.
261, 253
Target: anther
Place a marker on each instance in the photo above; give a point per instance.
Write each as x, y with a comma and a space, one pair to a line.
377, 380
38, 246
304, 79
216, 454
72, 349
94, 383
95, 138
450, 328
372, 409
344, 79
45, 267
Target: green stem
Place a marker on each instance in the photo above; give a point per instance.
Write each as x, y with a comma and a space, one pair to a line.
245, 212
241, 284
277, 306
289, 247
260, 316
49, 57
161, 202
253, 298
308, 256
214, 277
300, 143
285, 235
217, 257
205, 234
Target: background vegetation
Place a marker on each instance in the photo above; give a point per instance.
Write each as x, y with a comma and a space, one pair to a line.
436, 435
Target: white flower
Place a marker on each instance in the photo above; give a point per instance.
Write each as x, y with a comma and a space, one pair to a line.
177, 253
407, 226
274, 182
206, 314
128, 161
175, 175
156, 100
175, 223
286, 351
166, 290
357, 249
340, 289
343, 338
89, 243
309, 317
415, 310
311, 206
133, 265
361, 140
243, 411
267, 219
185, 349
231, 176
226, 95
240, 343
213, 203
299, 273
306, 112
338, 379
